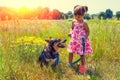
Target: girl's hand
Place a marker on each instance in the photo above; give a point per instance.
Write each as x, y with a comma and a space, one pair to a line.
69, 35
86, 28
84, 38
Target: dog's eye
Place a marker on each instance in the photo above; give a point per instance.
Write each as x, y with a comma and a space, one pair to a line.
53, 43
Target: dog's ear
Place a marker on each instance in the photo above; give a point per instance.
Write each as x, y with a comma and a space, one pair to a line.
50, 37
47, 41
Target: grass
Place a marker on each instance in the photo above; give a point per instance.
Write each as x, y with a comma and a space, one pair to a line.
18, 59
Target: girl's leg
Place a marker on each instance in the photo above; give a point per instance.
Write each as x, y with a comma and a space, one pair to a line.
82, 59
70, 57
82, 67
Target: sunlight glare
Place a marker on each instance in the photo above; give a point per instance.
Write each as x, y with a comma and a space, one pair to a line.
23, 3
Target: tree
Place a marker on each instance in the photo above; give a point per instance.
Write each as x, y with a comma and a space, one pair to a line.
5, 13
63, 15
118, 15
70, 14
109, 13
93, 16
102, 15
43, 13
87, 16
55, 14
66, 16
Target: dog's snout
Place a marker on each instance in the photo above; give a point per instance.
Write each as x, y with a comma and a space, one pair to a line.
61, 45
63, 41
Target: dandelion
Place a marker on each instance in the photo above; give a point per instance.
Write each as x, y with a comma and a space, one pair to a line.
33, 51
27, 43
88, 76
0, 44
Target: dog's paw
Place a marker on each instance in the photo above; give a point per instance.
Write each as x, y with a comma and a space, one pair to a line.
53, 60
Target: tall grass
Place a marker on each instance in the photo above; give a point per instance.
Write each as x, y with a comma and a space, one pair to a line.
19, 62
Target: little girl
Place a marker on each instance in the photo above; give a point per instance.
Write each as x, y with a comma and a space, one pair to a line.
79, 30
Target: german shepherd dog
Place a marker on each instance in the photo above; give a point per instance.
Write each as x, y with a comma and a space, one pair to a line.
50, 54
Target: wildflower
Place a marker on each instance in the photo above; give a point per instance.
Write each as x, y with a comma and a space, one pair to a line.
29, 40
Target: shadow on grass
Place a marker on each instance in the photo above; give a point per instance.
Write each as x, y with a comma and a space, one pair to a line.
92, 73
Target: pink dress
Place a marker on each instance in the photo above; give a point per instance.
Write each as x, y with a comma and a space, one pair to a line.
75, 45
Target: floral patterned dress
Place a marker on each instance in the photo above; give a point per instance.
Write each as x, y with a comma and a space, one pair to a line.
75, 45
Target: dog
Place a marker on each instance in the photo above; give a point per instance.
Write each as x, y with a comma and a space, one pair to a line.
50, 53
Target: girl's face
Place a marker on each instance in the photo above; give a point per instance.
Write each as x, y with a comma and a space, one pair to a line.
79, 17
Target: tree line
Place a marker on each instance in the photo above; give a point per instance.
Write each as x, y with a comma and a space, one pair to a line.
108, 14
7, 13
26, 13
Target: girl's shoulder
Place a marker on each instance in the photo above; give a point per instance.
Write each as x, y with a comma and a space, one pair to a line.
73, 23
74, 20
85, 22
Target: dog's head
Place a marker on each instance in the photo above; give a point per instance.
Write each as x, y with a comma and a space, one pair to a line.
56, 43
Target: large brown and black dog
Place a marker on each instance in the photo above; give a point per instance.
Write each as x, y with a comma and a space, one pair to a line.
50, 52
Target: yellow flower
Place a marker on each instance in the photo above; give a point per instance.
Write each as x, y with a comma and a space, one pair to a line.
32, 40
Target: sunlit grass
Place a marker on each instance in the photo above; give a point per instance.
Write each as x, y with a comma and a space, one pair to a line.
22, 42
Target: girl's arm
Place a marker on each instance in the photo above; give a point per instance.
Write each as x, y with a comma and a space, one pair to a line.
72, 27
86, 29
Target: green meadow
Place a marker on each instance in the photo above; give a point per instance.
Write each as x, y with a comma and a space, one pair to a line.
21, 43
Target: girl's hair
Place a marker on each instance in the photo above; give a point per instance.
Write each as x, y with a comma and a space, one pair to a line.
80, 10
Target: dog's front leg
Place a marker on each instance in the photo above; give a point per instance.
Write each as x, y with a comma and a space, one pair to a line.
47, 60
53, 61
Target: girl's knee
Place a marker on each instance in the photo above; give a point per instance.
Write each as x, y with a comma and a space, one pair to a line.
71, 53
82, 55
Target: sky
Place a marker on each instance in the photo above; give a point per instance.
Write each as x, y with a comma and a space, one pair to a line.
94, 6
